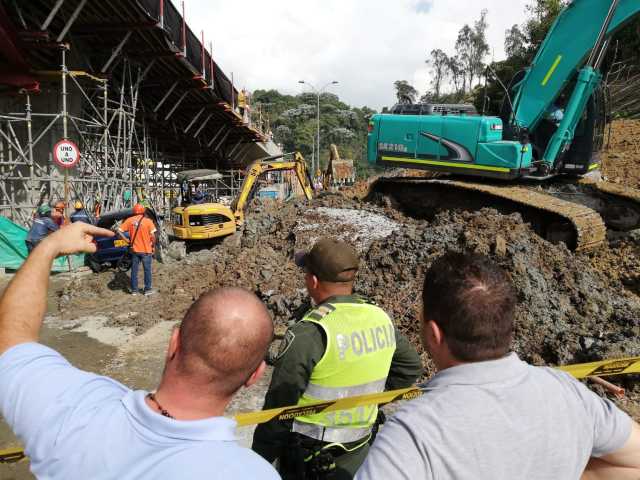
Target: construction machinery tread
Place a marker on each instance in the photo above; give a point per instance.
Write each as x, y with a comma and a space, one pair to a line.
617, 190
589, 228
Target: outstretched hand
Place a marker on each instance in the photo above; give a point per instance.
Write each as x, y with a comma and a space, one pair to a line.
75, 238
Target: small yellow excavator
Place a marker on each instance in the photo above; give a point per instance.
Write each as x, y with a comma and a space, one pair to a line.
203, 221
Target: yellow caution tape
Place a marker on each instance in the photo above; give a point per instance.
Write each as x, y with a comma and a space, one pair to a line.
289, 413
583, 370
604, 367
12, 455
619, 366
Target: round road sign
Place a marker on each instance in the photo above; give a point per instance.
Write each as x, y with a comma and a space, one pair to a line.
66, 153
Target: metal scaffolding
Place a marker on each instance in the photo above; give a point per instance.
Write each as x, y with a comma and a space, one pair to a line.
119, 161
132, 86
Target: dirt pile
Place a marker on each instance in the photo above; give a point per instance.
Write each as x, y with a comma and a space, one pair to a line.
622, 157
569, 311
572, 308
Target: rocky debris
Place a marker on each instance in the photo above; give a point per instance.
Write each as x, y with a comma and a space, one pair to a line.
572, 307
176, 250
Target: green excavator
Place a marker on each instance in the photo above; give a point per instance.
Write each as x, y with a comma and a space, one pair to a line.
549, 133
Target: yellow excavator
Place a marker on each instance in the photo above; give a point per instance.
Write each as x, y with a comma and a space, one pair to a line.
196, 221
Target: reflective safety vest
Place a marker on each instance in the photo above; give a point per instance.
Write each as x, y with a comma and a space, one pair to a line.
360, 345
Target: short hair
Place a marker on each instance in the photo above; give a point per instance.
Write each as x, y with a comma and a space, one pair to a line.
224, 336
473, 301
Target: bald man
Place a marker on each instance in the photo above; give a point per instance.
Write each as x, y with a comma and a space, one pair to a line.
78, 425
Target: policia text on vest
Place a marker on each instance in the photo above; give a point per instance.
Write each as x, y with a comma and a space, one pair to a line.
366, 341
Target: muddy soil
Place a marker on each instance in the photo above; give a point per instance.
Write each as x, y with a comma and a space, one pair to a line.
573, 307
620, 159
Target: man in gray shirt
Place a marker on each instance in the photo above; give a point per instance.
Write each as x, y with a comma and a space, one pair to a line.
487, 414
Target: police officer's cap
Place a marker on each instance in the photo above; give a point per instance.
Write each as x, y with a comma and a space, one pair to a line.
330, 260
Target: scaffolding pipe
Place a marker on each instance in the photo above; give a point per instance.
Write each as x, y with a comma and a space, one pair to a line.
51, 15
194, 120
218, 133
184, 32
166, 95
116, 52
177, 104
71, 20
206, 120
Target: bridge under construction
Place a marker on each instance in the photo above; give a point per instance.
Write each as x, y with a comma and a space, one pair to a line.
126, 80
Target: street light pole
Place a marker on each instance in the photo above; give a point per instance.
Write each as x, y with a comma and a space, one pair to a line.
318, 93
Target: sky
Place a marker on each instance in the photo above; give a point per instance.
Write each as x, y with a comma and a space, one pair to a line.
365, 45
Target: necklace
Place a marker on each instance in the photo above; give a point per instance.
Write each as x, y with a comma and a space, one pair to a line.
163, 412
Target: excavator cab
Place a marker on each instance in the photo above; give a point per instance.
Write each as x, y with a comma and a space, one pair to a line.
200, 215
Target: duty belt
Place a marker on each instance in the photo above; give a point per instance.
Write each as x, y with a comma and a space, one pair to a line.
331, 434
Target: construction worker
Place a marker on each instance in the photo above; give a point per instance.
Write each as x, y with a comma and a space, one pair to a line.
58, 213
80, 214
141, 240
344, 346
42, 226
97, 207
198, 198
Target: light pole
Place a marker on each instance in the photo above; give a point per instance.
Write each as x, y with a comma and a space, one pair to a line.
318, 92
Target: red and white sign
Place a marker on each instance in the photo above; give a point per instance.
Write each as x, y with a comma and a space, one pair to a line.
66, 153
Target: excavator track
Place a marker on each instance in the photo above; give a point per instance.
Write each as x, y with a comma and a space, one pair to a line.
620, 201
555, 219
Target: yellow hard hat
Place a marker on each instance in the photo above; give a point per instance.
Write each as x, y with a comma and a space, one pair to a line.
78, 205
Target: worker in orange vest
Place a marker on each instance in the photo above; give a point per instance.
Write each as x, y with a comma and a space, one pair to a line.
141, 230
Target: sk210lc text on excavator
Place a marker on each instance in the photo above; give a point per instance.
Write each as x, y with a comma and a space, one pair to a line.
205, 220
550, 129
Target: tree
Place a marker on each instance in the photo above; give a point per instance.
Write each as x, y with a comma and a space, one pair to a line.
542, 14
464, 50
456, 73
515, 43
439, 63
472, 47
294, 124
405, 92
480, 47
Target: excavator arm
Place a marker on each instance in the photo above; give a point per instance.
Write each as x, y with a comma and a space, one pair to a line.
271, 164
577, 40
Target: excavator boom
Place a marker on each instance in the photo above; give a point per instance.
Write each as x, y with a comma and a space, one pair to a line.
566, 48
271, 164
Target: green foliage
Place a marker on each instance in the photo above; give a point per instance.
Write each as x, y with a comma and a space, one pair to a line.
515, 43
293, 122
439, 64
405, 92
461, 70
542, 14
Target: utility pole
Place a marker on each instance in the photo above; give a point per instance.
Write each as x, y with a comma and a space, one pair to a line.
318, 93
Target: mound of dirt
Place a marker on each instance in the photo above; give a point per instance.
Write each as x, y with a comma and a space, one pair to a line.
621, 159
572, 307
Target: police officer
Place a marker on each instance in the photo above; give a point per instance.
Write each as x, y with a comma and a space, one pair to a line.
80, 215
42, 226
344, 346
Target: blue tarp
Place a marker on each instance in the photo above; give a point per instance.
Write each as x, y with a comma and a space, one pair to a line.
13, 250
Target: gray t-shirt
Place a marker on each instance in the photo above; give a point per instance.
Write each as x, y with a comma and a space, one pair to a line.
497, 420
